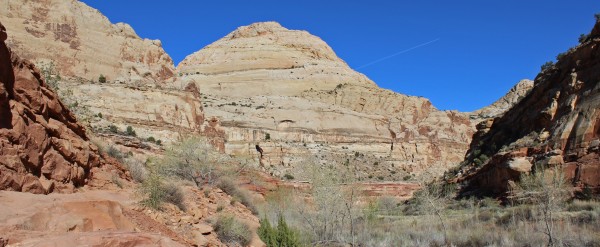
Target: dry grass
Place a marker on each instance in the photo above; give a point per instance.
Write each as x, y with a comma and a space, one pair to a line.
468, 223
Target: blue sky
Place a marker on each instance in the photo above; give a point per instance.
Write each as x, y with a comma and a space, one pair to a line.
461, 55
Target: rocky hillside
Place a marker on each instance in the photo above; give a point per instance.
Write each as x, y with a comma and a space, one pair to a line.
42, 146
288, 92
556, 125
81, 42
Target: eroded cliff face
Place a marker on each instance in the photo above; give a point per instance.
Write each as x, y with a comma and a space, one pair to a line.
556, 125
42, 146
288, 92
81, 42
514, 95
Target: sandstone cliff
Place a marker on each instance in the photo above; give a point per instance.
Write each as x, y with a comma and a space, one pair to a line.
514, 95
81, 42
287, 91
42, 147
556, 125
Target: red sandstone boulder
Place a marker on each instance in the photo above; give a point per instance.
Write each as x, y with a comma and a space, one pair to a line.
42, 147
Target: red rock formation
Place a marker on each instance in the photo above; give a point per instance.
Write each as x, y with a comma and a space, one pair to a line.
42, 147
556, 124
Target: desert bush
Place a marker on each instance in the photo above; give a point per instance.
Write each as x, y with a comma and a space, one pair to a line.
151, 139
102, 78
175, 196
579, 205
136, 169
156, 192
117, 181
387, 205
113, 129
586, 217
516, 214
228, 186
153, 191
130, 132
231, 231
485, 216
193, 159
582, 38
288, 176
597, 16
112, 151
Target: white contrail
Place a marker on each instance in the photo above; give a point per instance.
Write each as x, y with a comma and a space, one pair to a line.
397, 53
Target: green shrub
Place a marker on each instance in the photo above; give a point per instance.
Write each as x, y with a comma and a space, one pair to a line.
548, 65
102, 78
232, 231
285, 235
113, 129
267, 136
597, 16
560, 56
99, 114
582, 38
282, 235
288, 176
159, 142
151, 139
267, 233
130, 132
153, 191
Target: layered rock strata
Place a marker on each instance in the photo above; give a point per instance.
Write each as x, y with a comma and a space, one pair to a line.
42, 146
80, 42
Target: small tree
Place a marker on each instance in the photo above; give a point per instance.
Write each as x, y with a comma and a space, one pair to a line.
597, 16
285, 235
102, 78
267, 233
546, 189
267, 136
282, 235
432, 199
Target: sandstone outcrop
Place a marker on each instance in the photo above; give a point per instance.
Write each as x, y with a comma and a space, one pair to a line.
556, 125
514, 95
81, 42
288, 91
42, 147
